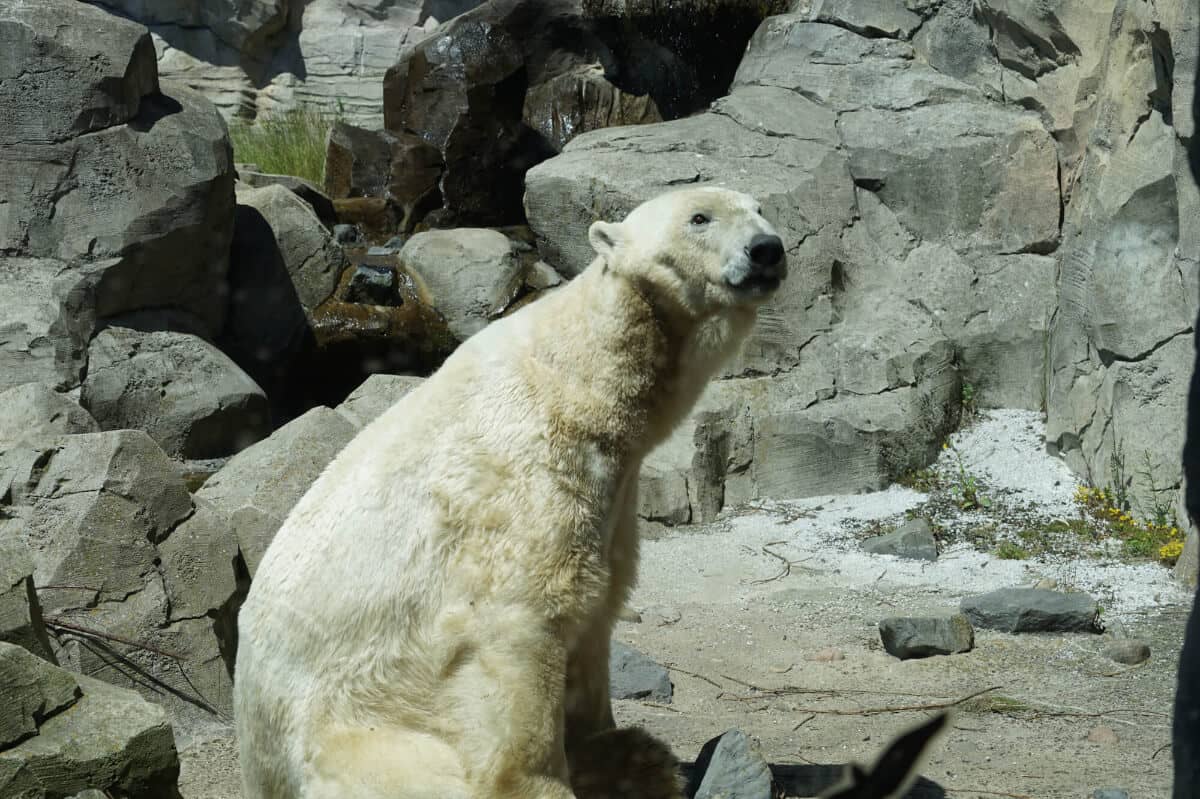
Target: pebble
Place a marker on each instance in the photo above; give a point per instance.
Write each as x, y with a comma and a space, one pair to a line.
1129, 652
1103, 735
826, 655
1110, 793
735, 769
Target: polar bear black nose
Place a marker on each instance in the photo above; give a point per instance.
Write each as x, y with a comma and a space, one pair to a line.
766, 250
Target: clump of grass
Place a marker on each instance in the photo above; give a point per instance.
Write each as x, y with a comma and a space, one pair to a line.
967, 489
290, 143
1009, 550
994, 703
924, 480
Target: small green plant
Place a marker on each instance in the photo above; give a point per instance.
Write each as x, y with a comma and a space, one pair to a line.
968, 399
1157, 537
291, 143
924, 480
967, 489
1008, 550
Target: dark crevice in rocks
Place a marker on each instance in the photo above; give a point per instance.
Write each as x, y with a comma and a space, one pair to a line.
1163, 58
225, 617
1108, 357
869, 184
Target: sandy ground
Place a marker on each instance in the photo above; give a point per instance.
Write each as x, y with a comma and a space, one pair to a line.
740, 608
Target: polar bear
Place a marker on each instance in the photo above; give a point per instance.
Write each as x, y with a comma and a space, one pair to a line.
432, 620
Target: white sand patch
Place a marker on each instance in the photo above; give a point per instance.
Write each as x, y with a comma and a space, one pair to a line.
733, 560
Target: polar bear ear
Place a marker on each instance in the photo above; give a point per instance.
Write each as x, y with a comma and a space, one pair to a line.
605, 237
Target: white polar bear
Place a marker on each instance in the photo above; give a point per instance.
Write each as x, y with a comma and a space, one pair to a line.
433, 619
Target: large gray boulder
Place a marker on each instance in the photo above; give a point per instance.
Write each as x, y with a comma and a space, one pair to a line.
309, 253
258, 487
118, 194
107, 738
471, 274
1033, 610
100, 513
189, 396
35, 411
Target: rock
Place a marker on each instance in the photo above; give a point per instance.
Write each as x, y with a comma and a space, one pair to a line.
1023, 610
889, 19
20, 611
100, 510
921, 637
1121, 349
827, 655
1110, 793
110, 738
733, 769
199, 564
311, 257
842, 70
632, 675
96, 505
35, 411
321, 205
164, 180
92, 72
914, 540
347, 234
372, 285
1103, 735
401, 168
471, 274
378, 393
1004, 195
582, 100
235, 23
31, 691
258, 487
541, 276
189, 396
1128, 652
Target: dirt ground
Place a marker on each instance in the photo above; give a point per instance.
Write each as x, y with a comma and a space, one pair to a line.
741, 611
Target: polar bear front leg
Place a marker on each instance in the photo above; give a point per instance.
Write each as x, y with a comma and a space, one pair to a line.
509, 698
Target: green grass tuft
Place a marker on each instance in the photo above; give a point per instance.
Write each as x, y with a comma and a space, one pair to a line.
291, 143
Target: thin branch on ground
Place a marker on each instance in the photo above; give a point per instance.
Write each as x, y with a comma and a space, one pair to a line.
57, 623
661, 706
787, 564
1160, 750
800, 724
673, 667
988, 793
874, 711
789, 690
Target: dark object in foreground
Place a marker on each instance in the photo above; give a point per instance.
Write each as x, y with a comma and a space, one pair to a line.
896, 768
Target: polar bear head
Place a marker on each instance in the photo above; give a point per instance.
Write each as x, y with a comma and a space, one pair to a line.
702, 250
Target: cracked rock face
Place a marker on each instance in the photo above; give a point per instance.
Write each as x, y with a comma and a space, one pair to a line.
1121, 345
99, 514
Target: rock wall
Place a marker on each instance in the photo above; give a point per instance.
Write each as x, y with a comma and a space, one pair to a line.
264, 56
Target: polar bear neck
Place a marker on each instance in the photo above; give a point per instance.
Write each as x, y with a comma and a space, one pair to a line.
647, 366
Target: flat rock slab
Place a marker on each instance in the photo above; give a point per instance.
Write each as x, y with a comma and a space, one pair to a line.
921, 637
110, 738
31, 690
1033, 610
632, 675
914, 540
735, 769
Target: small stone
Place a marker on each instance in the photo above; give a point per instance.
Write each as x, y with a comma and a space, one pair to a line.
632, 675
395, 243
629, 615
783, 669
733, 769
913, 540
1110, 793
908, 638
1025, 610
372, 285
377, 251
541, 275
1128, 651
1103, 735
1046, 584
827, 655
347, 234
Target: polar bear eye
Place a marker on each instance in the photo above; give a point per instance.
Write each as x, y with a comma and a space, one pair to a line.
700, 219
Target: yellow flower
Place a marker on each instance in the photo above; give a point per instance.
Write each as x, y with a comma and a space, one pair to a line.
945, 445
1171, 550
1174, 532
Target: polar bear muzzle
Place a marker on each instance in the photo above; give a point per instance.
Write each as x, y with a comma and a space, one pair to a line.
763, 268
